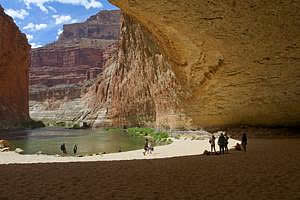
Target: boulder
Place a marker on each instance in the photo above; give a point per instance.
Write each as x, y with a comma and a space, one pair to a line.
19, 151
4, 149
39, 153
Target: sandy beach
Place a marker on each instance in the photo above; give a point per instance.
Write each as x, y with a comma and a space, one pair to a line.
268, 170
182, 147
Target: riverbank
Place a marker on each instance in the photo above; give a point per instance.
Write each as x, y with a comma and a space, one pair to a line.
268, 170
179, 147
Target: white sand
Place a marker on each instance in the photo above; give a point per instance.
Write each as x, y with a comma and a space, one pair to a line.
177, 148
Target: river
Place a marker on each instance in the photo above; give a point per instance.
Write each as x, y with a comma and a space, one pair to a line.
89, 141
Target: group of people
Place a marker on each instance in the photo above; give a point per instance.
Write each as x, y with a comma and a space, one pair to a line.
64, 149
148, 147
223, 143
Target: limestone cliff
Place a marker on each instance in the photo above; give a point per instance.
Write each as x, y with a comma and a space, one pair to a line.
14, 65
194, 63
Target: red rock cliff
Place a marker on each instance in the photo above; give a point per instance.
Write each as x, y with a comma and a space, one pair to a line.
193, 64
60, 69
14, 65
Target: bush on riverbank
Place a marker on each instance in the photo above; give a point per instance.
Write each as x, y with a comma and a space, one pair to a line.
32, 124
158, 136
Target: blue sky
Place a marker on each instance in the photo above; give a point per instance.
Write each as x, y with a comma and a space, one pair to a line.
42, 20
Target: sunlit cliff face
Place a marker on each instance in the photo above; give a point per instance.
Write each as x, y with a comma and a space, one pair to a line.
185, 64
223, 63
14, 64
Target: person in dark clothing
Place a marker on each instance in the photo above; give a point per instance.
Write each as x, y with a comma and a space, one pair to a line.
146, 146
212, 144
226, 142
75, 149
63, 148
221, 143
244, 141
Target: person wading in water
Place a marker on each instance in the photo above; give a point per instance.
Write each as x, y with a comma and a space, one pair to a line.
63, 148
75, 149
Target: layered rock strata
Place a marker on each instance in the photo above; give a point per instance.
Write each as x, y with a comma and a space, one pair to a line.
194, 64
71, 103
60, 69
104, 25
14, 66
62, 72
58, 72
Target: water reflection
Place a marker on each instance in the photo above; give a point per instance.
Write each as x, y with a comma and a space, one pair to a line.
48, 141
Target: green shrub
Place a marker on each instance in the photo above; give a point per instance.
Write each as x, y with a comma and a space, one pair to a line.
76, 126
31, 124
60, 124
142, 132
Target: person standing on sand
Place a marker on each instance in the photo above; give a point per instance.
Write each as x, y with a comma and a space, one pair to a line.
244, 141
226, 142
146, 146
150, 148
75, 149
221, 143
212, 144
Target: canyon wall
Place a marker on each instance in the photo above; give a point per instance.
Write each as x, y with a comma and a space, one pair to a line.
62, 72
71, 104
104, 25
14, 66
60, 69
195, 64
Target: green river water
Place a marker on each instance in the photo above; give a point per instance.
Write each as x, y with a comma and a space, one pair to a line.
89, 141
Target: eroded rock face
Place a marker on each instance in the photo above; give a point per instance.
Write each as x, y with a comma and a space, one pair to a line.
193, 64
104, 25
143, 84
59, 70
14, 65
70, 103
62, 72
